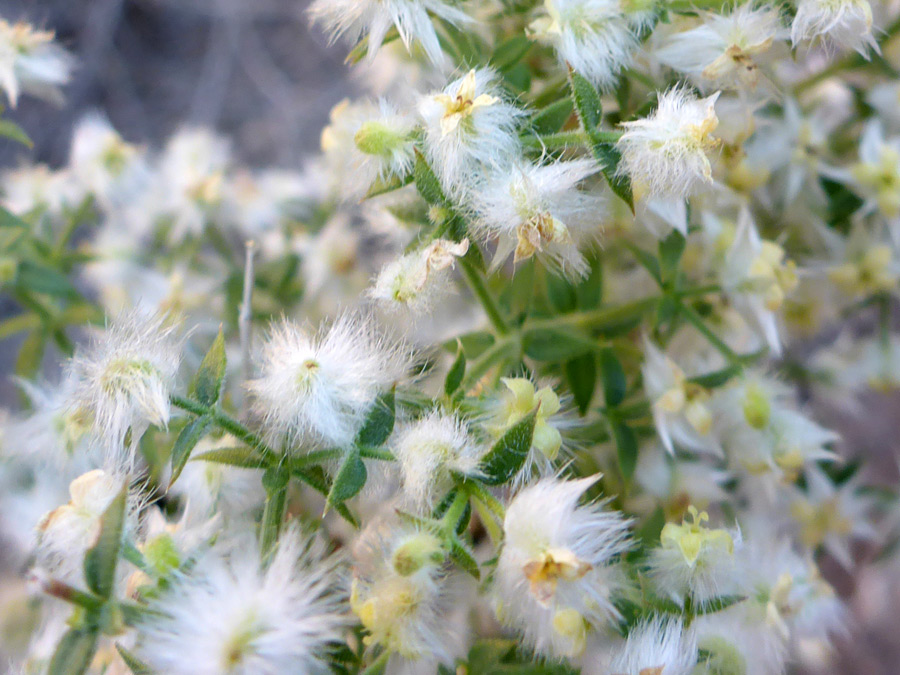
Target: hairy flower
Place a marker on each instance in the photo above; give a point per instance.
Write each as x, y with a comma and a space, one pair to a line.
595, 37
538, 210
123, 380
469, 131
725, 50
230, 614
657, 646
320, 387
846, 24
666, 154
373, 18
428, 450
556, 574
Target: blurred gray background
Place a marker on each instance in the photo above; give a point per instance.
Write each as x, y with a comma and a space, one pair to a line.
254, 70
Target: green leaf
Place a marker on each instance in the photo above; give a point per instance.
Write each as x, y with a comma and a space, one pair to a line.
581, 374
511, 51
380, 422
718, 604
31, 353
557, 344
241, 457
349, 480
607, 154
316, 478
207, 384
186, 441
552, 118
135, 665
647, 261
717, 378
626, 447
381, 186
615, 384
456, 373
11, 220
14, 132
39, 278
504, 460
427, 183
462, 557
100, 561
587, 102
589, 291
561, 293
74, 652
670, 250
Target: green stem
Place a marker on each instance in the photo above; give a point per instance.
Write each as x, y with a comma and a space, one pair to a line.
455, 510
227, 423
599, 318
697, 321
563, 139
275, 481
484, 362
63, 591
379, 665
476, 283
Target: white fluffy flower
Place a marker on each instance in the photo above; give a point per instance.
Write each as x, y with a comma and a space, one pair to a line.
230, 614
428, 450
556, 573
123, 380
418, 280
469, 130
658, 646
844, 23
694, 561
595, 37
725, 50
538, 210
681, 409
65, 534
666, 154
373, 18
321, 386
32, 63
404, 599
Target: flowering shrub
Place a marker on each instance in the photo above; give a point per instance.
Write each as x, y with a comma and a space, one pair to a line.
513, 377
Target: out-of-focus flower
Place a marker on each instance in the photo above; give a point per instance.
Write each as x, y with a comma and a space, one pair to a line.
846, 24
659, 646
31, 63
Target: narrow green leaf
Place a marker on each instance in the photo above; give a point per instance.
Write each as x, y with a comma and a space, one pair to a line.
607, 154
8, 219
719, 604
615, 384
74, 652
581, 374
316, 478
647, 261
552, 118
670, 251
557, 344
511, 51
135, 665
561, 293
462, 557
717, 378
349, 480
456, 373
427, 183
587, 102
381, 187
14, 132
380, 422
185, 443
207, 384
39, 278
31, 353
241, 457
508, 454
627, 448
100, 561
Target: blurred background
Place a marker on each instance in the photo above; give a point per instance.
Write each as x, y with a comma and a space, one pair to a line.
255, 71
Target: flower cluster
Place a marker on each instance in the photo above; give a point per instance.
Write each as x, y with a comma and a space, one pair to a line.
530, 369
